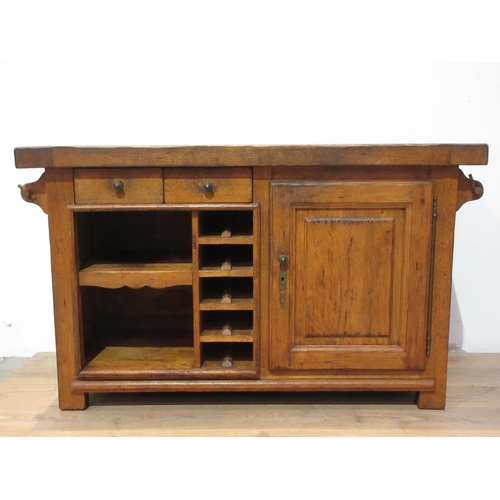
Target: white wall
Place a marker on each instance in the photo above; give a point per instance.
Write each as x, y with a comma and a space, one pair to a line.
212, 85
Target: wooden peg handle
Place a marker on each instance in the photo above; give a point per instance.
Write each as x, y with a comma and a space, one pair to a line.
227, 265
227, 362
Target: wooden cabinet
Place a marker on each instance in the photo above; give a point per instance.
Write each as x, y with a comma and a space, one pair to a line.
306, 268
350, 275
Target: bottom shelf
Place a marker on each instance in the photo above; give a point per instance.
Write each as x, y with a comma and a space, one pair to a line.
116, 362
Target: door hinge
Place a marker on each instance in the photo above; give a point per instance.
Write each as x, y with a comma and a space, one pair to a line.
428, 339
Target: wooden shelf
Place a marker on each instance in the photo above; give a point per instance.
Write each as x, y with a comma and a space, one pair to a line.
117, 362
216, 336
220, 240
141, 358
245, 304
155, 275
235, 272
244, 365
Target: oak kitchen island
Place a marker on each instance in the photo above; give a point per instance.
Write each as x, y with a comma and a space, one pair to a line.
252, 268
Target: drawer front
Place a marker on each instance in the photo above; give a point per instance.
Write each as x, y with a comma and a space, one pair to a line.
208, 185
118, 185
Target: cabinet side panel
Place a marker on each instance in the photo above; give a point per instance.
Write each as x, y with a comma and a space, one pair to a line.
65, 286
445, 189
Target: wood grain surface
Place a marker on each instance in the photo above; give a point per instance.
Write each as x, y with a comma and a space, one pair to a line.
245, 156
227, 185
154, 275
139, 185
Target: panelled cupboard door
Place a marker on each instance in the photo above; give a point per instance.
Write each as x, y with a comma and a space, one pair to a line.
350, 275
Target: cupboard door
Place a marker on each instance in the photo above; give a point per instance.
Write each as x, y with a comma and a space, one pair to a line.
349, 275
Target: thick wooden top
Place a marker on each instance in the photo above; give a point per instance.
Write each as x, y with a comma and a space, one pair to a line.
247, 156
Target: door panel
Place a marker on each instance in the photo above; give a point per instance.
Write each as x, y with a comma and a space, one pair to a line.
354, 280
357, 275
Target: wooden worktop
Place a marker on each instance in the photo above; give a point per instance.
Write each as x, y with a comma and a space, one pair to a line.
237, 156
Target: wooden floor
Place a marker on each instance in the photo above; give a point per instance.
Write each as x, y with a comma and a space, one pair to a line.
28, 407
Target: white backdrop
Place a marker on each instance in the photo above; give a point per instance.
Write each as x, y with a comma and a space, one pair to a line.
174, 72
240, 78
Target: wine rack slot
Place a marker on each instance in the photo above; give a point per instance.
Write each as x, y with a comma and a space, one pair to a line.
225, 271
226, 227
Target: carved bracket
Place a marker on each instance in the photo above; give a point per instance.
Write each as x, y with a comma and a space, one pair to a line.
468, 189
35, 192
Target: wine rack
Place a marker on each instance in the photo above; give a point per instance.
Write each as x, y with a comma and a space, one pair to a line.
224, 288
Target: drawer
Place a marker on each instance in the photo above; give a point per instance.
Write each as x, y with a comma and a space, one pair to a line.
208, 185
118, 185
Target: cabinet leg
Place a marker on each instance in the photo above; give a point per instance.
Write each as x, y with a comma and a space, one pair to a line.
432, 400
73, 401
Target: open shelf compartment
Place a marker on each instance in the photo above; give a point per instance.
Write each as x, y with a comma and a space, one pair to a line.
226, 227
130, 237
221, 294
226, 326
226, 261
152, 293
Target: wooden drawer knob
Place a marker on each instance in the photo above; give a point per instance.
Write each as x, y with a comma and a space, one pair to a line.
118, 186
208, 187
